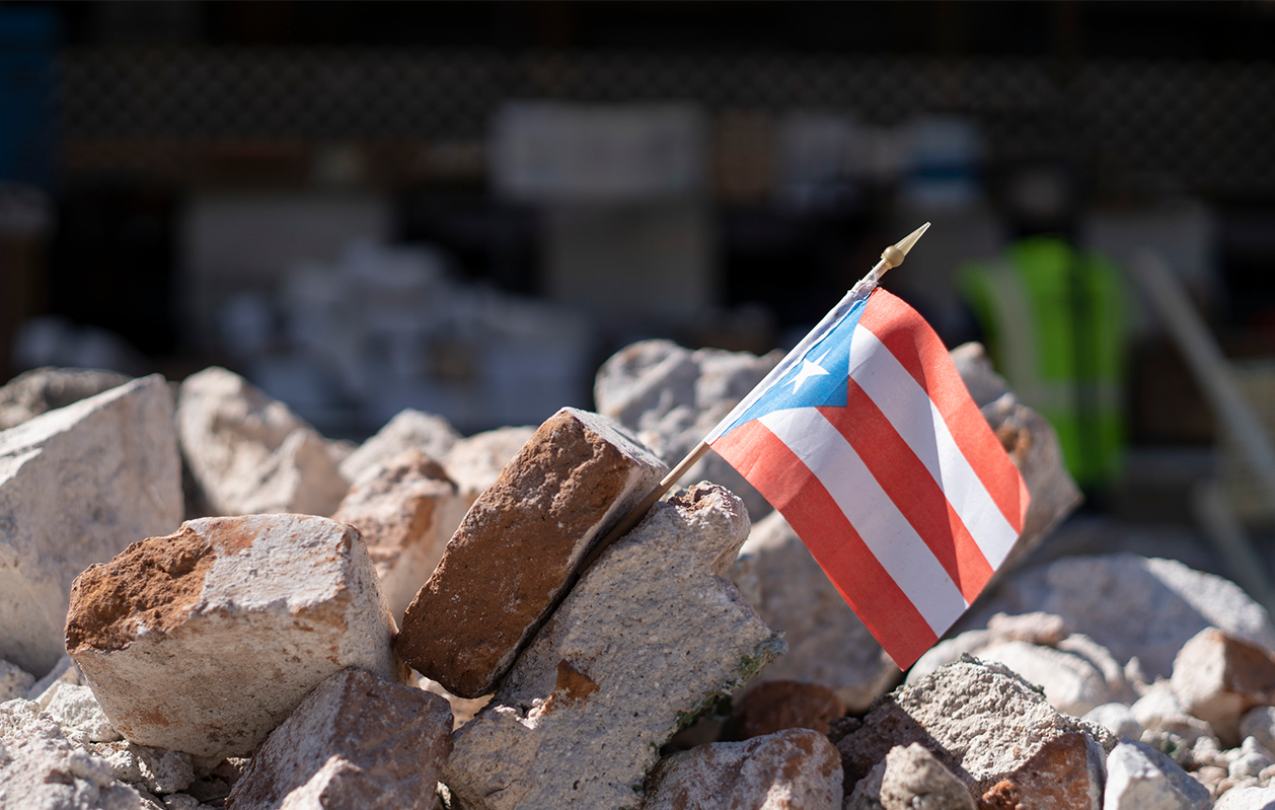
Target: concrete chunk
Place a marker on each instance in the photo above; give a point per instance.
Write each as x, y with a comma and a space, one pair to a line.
77, 485
475, 463
649, 637
408, 430
356, 741
406, 509
519, 546
1141, 778
910, 778
40, 769
41, 390
14, 681
205, 640
1218, 678
797, 769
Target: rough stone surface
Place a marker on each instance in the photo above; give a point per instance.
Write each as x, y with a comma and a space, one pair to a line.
1217, 678
827, 644
1247, 798
40, 769
519, 546
390, 741
1259, 723
40, 390
406, 508
75, 707
206, 640
777, 705
248, 453
153, 769
77, 485
988, 726
1072, 684
1134, 606
649, 637
14, 681
1116, 718
475, 463
409, 430
914, 779
1141, 778
1030, 441
797, 769
64, 671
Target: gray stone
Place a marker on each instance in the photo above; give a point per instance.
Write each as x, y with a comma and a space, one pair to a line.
1133, 606
40, 390
650, 636
152, 769
248, 453
40, 769
356, 741
914, 779
1250, 760
14, 681
408, 430
1259, 723
1116, 718
1071, 684
1141, 778
827, 643
206, 640
1247, 798
992, 729
797, 769
475, 463
77, 485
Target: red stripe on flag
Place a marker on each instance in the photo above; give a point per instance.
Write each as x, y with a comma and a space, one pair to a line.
919, 350
913, 490
790, 486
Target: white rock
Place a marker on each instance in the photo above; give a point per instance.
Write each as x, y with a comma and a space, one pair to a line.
75, 707
1116, 718
1217, 678
1133, 606
1072, 684
408, 430
16, 713
1158, 703
64, 671
40, 390
153, 769
205, 640
649, 636
1252, 759
475, 463
1247, 798
1141, 778
40, 769
914, 778
248, 453
1259, 723
14, 681
77, 485
827, 643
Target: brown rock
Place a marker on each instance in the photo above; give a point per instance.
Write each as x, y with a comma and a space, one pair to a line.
797, 769
517, 550
356, 741
777, 705
406, 508
1060, 776
1218, 677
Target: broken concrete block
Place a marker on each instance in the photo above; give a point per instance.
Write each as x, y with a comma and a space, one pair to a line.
248, 453
797, 769
40, 769
1150, 607
1250, 760
1218, 678
671, 397
475, 463
914, 778
1072, 684
1116, 718
152, 769
40, 390
77, 485
206, 640
649, 637
409, 430
1141, 778
75, 707
827, 643
14, 681
989, 727
1247, 798
356, 741
773, 706
519, 546
406, 509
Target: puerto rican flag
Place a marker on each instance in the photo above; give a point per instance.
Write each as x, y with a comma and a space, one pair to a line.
868, 442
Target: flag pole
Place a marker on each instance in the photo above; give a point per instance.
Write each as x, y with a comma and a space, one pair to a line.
891, 257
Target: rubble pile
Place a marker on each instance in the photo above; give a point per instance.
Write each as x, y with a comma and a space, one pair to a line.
410, 624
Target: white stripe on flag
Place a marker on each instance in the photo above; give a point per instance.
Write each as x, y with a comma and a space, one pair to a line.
892, 540
916, 418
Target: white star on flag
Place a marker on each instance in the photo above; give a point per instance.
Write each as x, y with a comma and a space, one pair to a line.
808, 370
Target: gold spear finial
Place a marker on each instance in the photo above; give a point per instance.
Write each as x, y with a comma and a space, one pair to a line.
894, 255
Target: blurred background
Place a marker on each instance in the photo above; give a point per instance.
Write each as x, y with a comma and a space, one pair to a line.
466, 207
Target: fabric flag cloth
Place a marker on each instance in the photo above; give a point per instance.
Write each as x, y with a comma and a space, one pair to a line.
868, 442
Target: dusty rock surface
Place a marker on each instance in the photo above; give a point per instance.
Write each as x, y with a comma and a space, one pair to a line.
406, 509
475, 463
1140, 777
1134, 606
910, 778
426, 433
14, 681
992, 729
356, 741
1218, 678
40, 769
205, 640
75, 707
649, 637
519, 546
797, 769
777, 705
248, 453
40, 390
77, 485
1248, 798
1116, 718
1072, 684
827, 643
1259, 723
